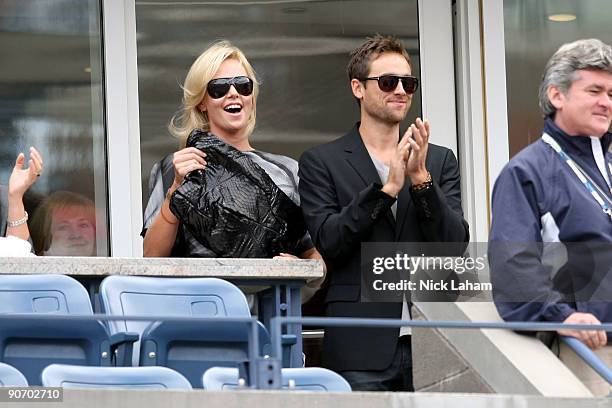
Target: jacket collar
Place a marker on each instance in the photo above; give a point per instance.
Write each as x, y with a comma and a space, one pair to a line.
580, 149
578, 145
359, 158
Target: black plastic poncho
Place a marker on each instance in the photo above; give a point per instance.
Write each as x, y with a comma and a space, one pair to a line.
233, 207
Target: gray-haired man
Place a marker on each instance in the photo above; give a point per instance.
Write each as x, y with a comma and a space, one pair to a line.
558, 189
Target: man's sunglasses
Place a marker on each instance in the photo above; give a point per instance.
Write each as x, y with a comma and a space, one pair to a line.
219, 87
388, 83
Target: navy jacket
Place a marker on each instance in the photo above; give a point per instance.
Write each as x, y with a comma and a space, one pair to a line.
538, 198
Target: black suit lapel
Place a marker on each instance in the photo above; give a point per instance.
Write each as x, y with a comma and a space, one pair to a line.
359, 159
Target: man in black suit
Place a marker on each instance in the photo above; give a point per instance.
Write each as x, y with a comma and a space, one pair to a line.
373, 186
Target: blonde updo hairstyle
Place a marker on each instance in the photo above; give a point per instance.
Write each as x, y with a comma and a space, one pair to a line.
194, 90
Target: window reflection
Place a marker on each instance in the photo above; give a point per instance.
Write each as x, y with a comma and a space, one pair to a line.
530, 39
51, 97
64, 224
299, 50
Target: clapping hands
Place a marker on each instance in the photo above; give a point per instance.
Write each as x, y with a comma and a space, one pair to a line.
408, 160
418, 138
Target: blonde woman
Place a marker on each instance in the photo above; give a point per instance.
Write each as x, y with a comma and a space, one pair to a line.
219, 96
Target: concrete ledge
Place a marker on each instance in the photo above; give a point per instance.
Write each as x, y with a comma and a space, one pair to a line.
497, 361
234, 268
283, 399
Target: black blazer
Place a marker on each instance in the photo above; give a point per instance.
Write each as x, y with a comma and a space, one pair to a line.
343, 207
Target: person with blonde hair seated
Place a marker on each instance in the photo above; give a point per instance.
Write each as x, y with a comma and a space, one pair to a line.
64, 224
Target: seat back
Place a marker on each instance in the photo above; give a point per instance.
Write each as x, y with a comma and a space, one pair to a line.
137, 295
11, 377
32, 343
58, 294
192, 348
69, 376
302, 379
182, 346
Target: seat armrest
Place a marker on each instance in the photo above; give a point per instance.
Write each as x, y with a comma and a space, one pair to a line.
288, 339
122, 347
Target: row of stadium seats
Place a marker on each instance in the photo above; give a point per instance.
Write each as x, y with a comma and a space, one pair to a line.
215, 378
36, 329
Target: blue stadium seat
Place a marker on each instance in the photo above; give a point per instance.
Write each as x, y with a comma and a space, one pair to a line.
56, 294
69, 376
33, 342
302, 379
11, 377
182, 346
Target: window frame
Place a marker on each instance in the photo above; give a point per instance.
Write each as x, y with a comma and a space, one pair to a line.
122, 127
122, 111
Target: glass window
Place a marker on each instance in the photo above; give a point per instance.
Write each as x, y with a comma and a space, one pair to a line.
532, 36
299, 49
51, 97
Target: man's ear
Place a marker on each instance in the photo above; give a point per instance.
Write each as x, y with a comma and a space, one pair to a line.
556, 96
357, 88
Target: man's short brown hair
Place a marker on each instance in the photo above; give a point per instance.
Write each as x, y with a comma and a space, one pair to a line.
359, 65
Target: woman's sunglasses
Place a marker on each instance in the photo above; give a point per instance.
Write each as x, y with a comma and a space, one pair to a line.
388, 83
219, 87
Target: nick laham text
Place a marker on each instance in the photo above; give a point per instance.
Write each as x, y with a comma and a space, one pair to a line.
429, 285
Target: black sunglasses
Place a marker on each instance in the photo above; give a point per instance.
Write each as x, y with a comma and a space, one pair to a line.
219, 87
388, 83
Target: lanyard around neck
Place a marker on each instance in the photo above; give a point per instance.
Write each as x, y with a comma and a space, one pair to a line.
602, 199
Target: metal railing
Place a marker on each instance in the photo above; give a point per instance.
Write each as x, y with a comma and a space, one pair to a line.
580, 348
264, 372
589, 357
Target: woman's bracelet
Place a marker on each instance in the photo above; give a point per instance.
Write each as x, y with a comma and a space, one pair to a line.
161, 211
16, 223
